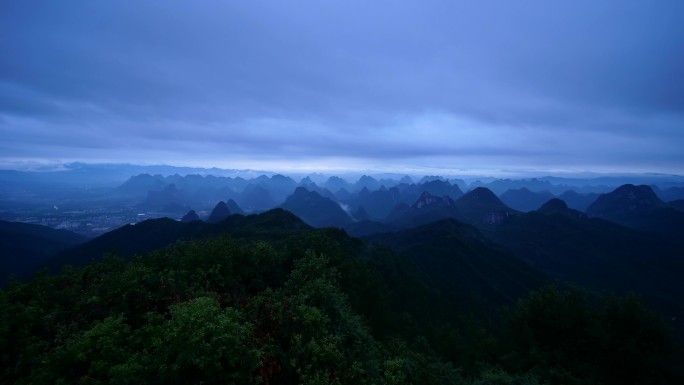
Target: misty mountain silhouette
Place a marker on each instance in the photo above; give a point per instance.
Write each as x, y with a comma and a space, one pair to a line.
278, 186
360, 214
624, 200
139, 185
219, 213
367, 182
233, 207
439, 187
169, 199
256, 198
639, 208
409, 193
669, 194
428, 208
191, 216
342, 195
559, 206
481, 207
335, 183
316, 210
377, 204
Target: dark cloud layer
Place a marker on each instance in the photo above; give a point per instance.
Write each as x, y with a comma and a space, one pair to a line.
477, 84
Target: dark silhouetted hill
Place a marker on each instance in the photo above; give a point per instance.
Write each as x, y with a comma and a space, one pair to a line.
409, 193
316, 210
598, 254
558, 206
268, 299
233, 207
153, 234
463, 262
191, 216
322, 191
639, 208
219, 213
480, 207
677, 204
623, 201
24, 245
426, 209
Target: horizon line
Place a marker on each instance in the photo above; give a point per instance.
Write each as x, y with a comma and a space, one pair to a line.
497, 173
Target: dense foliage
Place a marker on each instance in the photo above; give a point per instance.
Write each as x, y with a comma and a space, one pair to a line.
312, 308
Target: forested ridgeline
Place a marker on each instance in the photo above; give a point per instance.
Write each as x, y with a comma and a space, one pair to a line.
314, 307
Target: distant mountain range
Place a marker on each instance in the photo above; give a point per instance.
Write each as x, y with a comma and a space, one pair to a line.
377, 198
203, 187
432, 260
524, 199
628, 240
517, 219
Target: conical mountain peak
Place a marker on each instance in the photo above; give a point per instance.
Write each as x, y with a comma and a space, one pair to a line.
553, 204
233, 207
315, 209
301, 191
558, 206
481, 197
191, 216
219, 213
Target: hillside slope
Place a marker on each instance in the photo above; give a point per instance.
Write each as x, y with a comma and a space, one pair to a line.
24, 245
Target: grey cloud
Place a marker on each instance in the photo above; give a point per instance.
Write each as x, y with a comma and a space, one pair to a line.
308, 78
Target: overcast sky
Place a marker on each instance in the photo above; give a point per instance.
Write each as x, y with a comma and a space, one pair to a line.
331, 85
